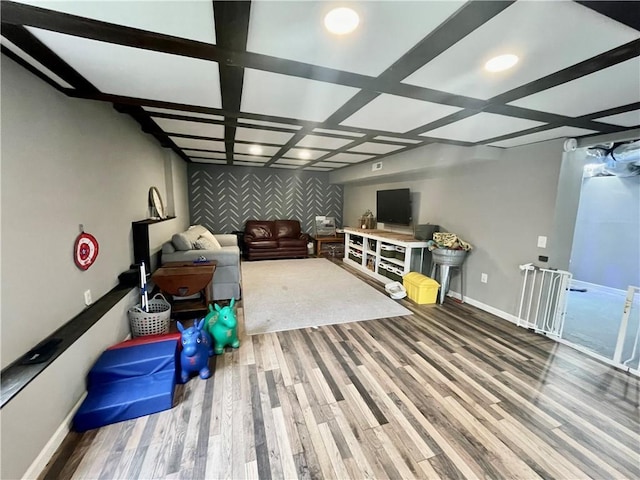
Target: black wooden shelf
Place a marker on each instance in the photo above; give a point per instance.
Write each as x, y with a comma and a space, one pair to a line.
17, 375
150, 221
141, 252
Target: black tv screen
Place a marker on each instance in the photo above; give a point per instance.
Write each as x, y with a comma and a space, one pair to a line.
394, 206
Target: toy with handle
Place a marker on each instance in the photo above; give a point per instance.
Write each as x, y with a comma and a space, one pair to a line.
225, 330
196, 350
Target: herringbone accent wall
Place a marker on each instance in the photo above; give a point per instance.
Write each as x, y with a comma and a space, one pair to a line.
224, 198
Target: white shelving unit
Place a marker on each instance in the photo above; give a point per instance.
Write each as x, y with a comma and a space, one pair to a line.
367, 246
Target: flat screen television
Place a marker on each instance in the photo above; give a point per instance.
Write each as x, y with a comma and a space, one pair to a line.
394, 206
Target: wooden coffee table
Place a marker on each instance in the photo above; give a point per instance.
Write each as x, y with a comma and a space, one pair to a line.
338, 238
182, 279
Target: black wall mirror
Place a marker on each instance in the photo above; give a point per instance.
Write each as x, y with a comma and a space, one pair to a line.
155, 204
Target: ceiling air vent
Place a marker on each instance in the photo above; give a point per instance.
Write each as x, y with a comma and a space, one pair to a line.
619, 159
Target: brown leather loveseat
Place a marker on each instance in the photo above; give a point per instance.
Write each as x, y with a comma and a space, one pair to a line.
274, 239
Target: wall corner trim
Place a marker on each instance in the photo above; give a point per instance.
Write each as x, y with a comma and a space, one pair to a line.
52, 445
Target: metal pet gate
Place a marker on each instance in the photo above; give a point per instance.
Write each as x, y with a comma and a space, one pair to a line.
543, 301
543, 308
622, 333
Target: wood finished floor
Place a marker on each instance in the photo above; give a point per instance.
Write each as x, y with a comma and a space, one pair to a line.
449, 392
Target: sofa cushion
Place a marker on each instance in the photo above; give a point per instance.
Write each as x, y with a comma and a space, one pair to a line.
167, 247
292, 243
259, 229
186, 240
181, 241
264, 244
207, 243
207, 234
226, 256
287, 229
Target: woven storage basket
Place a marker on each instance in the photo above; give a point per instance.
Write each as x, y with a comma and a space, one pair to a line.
153, 322
388, 251
395, 274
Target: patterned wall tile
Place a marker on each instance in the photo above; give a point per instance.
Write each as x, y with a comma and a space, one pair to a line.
224, 198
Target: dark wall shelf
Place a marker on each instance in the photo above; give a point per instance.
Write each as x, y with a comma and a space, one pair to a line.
151, 221
18, 375
141, 252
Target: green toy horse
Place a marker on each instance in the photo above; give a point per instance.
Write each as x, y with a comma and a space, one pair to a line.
223, 326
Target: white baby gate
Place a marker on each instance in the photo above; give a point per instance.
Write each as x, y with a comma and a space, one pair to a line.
543, 308
543, 301
622, 333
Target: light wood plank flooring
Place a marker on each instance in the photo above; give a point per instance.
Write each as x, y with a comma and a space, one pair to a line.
449, 392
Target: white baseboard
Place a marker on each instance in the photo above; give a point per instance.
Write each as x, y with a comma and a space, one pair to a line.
485, 307
53, 444
56, 439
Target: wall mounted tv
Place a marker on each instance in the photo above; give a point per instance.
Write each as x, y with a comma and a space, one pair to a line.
394, 206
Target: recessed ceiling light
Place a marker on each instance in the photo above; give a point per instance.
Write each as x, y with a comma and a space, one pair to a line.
304, 154
501, 62
255, 149
341, 21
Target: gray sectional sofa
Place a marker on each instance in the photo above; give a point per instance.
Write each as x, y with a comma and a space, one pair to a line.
197, 243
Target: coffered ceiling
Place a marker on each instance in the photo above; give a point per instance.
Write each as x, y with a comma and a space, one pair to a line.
264, 84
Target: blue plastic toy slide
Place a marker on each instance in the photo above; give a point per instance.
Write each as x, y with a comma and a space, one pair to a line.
127, 383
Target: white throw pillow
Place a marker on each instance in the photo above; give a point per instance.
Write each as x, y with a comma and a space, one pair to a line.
205, 242
208, 235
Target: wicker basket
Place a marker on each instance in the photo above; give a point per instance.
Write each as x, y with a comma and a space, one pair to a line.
153, 322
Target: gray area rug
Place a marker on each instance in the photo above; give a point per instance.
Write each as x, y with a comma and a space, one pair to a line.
288, 294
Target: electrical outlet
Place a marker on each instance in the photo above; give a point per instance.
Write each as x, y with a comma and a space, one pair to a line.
376, 166
542, 242
484, 278
87, 297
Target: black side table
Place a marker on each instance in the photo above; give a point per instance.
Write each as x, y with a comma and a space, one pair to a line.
240, 235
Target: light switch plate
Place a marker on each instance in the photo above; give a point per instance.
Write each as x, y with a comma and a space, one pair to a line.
542, 242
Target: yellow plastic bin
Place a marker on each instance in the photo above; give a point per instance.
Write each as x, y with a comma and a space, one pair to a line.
420, 288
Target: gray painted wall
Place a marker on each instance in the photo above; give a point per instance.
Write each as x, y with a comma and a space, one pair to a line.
566, 210
65, 162
606, 244
497, 201
223, 198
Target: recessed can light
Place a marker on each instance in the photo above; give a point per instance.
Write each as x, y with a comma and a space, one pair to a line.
255, 149
341, 21
501, 62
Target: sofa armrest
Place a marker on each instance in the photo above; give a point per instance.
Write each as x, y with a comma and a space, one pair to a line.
227, 239
248, 238
168, 247
305, 237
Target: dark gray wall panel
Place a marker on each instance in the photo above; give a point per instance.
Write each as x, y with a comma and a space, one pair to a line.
223, 198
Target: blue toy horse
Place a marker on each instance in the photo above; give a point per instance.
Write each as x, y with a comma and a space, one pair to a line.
197, 347
225, 329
